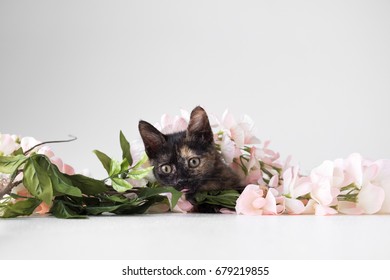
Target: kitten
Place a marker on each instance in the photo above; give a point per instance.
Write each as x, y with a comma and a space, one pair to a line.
188, 159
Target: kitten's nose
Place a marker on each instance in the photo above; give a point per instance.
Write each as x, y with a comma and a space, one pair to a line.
181, 181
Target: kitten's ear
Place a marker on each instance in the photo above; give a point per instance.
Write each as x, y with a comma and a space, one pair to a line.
152, 138
199, 126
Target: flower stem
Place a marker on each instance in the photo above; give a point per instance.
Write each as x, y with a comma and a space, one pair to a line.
9, 188
73, 138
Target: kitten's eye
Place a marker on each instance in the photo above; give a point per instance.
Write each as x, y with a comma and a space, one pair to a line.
166, 168
193, 162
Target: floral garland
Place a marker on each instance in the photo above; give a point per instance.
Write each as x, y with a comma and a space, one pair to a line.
34, 180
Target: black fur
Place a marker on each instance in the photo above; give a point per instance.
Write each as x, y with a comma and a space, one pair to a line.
178, 148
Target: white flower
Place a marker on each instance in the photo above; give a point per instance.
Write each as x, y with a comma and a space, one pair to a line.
8, 144
241, 132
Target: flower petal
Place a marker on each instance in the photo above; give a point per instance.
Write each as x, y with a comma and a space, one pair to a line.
226, 211
184, 205
42, 209
244, 204
274, 182
321, 192
228, 149
270, 205
294, 206
67, 169
58, 162
325, 170
370, 198
166, 120
228, 120
302, 188
353, 169
259, 202
7, 144
238, 135
28, 142
321, 210
180, 124
349, 208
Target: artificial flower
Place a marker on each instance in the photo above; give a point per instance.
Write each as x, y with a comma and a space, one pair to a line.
172, 124
323, 186
363, 193
258, 200
8, 144
295, 187
242, 132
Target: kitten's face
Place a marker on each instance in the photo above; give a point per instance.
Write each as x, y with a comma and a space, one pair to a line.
185, 159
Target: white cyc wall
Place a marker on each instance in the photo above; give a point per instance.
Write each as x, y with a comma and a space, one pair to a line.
315, 77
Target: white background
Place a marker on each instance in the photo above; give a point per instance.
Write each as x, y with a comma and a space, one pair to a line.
314, 76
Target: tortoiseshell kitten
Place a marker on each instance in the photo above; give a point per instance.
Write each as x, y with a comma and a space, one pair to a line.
188, 159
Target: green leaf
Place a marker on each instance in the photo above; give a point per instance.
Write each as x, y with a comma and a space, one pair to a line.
102, 209
104, 159
61, 210
147, 193
9, 165
61, 184
121, 185
18, 152
124, 165
116, 198
226, 198
86, 184
143, 160
138, 174
138, 206
62, 187
37, 180
115, 168
125, 145
21, 208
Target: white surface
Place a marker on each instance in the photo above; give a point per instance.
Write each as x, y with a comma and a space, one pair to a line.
314, 75
197, 236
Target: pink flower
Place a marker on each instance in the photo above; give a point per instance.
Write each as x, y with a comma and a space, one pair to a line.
45, 150
252, 165
294, 187
372, 194
42, 208
256, 200
8, 144
253, 174
227, 211
313, 207
63, 167
268, 156
324, 188
28, 142
229, 149
182, 205
366, 178
369, 201
349, 208
174, 124
241, 132
382, 179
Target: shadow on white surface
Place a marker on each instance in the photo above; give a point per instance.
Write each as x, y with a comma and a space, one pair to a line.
197, 236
